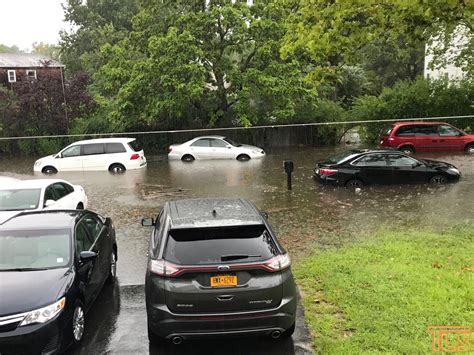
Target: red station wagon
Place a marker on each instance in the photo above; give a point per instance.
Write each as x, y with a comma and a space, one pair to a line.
411, 137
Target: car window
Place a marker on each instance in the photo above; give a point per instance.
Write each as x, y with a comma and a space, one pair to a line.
92, 149
83, 240
135, 146
112, 148
448, 131
406, 131
158, 233
371, 160
19, 199
201, 143
426, 130
73, 151
50, 194
217, 143
61, 190
93, 225
400, 160
386, 131
208, 245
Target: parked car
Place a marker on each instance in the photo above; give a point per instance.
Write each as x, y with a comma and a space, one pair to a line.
213, 147
113, 154
367, 167
53, 265
29, 195
411, 137
215, 268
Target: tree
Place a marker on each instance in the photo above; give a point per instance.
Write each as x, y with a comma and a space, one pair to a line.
51, 51
6, 49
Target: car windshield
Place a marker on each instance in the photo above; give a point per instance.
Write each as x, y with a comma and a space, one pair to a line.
25, 250
340, 158
19, 199
215, 245
231, 142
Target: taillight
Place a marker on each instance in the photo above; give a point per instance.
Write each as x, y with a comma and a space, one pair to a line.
278, 263
327, 171
170, 149
164, 268
135, 156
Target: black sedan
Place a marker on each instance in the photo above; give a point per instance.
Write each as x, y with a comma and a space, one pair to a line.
53, 265
356, 168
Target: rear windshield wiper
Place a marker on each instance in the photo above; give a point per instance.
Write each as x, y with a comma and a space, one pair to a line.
237, 257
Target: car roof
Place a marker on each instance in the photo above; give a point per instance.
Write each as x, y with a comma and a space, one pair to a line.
32, 184
105, 140
417, 123
212, 212
218, 137
45, 219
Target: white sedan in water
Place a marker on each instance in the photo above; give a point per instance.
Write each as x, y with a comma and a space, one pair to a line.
31, 195
213, 147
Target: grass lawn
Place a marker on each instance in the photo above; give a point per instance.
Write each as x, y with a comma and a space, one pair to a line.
382, 294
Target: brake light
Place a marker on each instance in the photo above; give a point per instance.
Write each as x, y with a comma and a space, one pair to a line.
278, 263
170, 149
135, 156
164, 268
327, 171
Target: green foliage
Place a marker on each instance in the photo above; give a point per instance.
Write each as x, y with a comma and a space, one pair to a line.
6, 49
51, 51
381, 295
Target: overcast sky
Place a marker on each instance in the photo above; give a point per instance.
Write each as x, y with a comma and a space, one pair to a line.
23, 22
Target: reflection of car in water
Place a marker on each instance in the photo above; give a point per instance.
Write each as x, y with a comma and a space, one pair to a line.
216, 269
411, 137
366, 167
53, 265
113, 154
213, 147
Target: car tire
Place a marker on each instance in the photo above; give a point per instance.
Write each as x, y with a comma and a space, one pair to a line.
112, 268
243, 157
117, 169
438, 180
354, 183
289, 332
187, 158
49, 170
469, 148
153, 338
406, 149
78, 323
80, 206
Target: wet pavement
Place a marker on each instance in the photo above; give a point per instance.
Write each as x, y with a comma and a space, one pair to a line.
310, 216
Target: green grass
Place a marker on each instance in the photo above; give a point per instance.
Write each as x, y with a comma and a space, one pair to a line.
380, 295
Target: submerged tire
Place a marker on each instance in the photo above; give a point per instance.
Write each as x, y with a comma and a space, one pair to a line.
187, 158
469, 148
117, 168
354, 183
438, 180
243, 157
49, 170
407, 149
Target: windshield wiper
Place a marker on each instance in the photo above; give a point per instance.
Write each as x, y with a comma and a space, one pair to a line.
25, 269
237, 257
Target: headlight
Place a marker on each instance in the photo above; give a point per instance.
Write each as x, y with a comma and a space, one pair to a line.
44, 314
454, 171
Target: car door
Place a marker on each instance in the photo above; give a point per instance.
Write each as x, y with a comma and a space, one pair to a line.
63, 193
427, 138
374, 169
406, 170
70, 159
88, 272
450, 139
93, 157
200, 149
221, 149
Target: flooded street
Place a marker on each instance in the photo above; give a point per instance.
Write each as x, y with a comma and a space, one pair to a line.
310, 216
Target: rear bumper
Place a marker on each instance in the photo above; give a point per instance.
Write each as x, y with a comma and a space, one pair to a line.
167, 324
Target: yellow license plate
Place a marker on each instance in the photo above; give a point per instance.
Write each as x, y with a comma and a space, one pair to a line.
223, 281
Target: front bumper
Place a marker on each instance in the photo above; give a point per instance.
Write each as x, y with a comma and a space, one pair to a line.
327, 179
167, 324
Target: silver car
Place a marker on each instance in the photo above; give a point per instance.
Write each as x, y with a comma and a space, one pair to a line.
213, 147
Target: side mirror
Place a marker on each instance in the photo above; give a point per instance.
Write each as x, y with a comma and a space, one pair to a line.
57, 156
148, 222
49, 203
87, 256
229, 147
265, 215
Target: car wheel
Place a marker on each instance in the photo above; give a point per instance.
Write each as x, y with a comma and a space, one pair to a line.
187, 157
154, 338
407, 149
438, 180
80, 206
112, 268
243, 157
354, 183
470, 148
49, 170
289, 332
117, 169
78, 323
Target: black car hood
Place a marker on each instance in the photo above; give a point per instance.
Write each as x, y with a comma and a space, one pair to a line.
436, 164
23, 291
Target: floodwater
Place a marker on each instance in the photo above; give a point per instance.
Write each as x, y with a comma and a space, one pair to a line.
308, 217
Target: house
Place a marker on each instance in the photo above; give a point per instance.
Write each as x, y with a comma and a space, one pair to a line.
17, 67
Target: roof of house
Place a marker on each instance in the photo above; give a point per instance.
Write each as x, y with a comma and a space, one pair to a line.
27, 60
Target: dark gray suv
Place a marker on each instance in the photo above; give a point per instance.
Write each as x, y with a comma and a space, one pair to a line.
215, 268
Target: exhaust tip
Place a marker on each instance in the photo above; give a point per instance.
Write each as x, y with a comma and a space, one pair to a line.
275, 334
177, 340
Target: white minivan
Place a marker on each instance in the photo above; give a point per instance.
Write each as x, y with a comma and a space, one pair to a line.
113, 154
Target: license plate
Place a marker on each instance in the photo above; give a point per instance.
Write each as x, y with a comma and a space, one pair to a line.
223, 281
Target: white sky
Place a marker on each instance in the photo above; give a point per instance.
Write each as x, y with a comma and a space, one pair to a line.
23, 22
